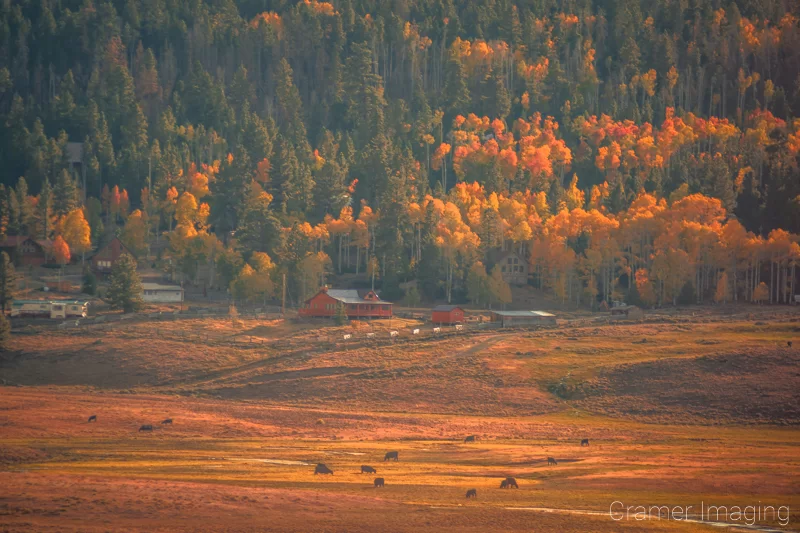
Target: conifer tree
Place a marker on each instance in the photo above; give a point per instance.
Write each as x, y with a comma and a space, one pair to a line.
8, 281
125, 286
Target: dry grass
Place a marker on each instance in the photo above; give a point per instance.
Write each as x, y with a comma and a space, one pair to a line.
250, 422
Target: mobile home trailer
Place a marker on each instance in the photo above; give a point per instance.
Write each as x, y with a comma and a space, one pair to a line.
49, 308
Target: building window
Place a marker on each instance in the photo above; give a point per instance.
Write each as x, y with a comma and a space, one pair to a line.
510, 261
503, 269
516, 261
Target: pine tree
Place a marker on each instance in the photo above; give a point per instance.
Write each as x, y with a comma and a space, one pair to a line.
341, 315
25, 219
456, 92
8, 281
125, 286
5, 332
44, 210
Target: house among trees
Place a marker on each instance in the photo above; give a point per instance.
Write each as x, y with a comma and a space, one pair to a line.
157, 293
523, 318
358, 304
25, 251
107, 256
513, 268
447, 314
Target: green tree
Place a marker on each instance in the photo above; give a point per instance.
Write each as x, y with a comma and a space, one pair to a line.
8, 281
5, 332
89, 283
66, 196
341, 315
125, 286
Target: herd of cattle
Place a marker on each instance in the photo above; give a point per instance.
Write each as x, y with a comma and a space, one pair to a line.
507, 483
322, 468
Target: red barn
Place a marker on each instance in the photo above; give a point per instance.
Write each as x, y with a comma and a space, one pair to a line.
358, 304
25, 251
447, 314
108, 255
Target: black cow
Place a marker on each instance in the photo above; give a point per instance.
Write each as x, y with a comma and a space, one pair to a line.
585, 442
471, 438
789, 344
365, 469
146, 427
509, 482
390, 455
93, 418
551, 461
472, 493
322, 469
167, 421
379, 482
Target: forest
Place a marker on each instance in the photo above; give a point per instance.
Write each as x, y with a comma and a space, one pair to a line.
645, 151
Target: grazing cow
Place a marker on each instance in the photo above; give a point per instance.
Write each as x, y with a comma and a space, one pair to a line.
789, 344
378, 482
585, 442
470, 438
393, 334
367, 469
551, 461
146, 427
346, 337
509, 482
322, 469
167, 421
390, 455
472, 493
93, 418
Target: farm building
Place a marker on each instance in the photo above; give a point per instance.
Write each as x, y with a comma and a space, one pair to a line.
157, 293
49, 308
626, 311
524, 318
25, 251
358, 304
447, 314
106, 257
513, 268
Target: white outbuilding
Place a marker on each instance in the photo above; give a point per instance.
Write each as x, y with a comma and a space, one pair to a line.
157, 293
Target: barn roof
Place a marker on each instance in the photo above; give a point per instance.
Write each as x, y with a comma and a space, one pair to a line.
523, 313
159, 287
353, 296
446, 308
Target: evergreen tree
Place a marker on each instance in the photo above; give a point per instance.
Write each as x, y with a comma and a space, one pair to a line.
456, 92
125, 286
25, 213
66, 196
5, 332
44, 210
8, 281
89, 283
341, 315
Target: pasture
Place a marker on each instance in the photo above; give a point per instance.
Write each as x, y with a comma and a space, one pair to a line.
702, 410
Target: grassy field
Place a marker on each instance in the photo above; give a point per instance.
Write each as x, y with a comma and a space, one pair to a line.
679, 411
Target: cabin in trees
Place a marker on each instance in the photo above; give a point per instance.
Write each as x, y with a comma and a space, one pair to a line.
107, 256
157, 293
447, 314
357, 304
513, 268
25, 251
523, 318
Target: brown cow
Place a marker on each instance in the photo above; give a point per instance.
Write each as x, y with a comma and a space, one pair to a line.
167, 421
390, 455
365, 469
146, 427
551, 461
585, 442
509, 482
471, 438
93, 418
378, 482
472, 493
322, 469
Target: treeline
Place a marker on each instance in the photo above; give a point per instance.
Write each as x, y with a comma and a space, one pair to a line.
297, 137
